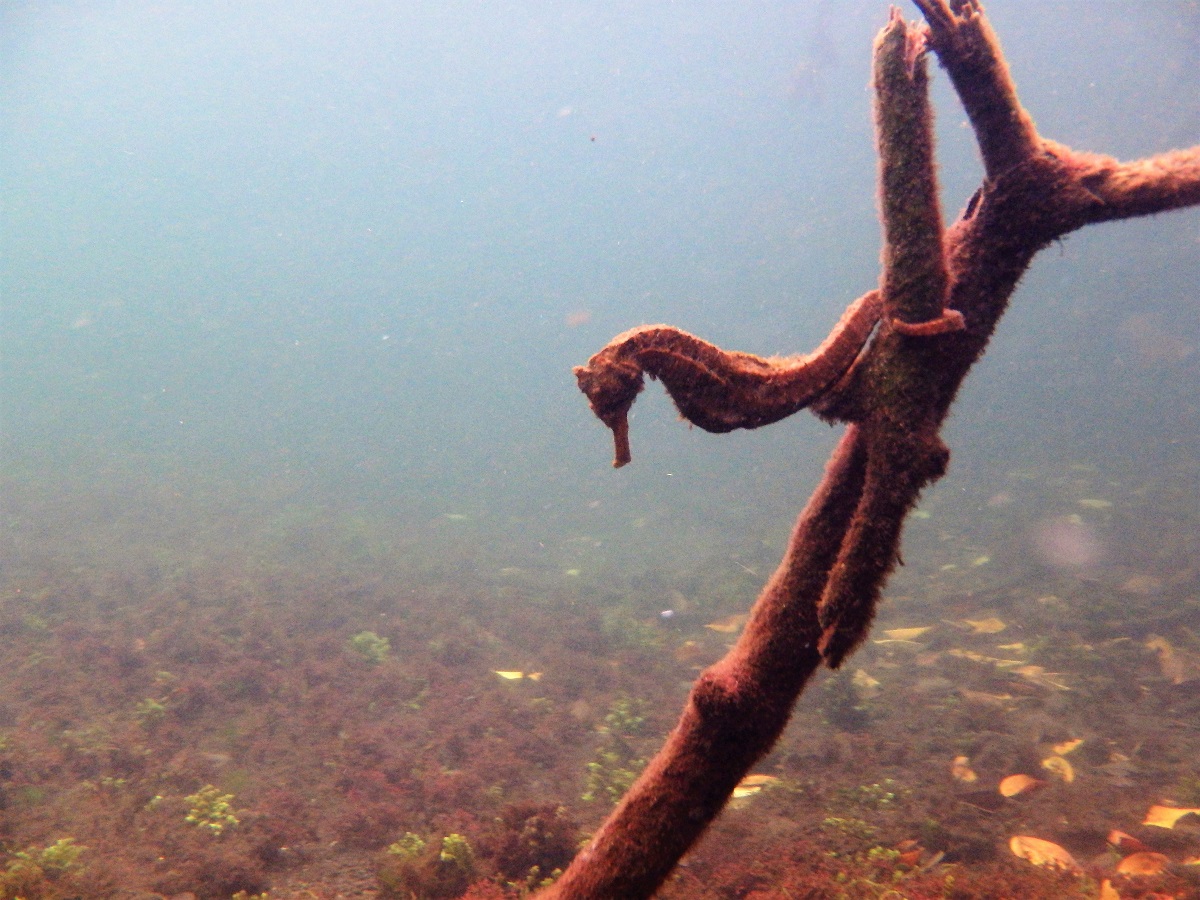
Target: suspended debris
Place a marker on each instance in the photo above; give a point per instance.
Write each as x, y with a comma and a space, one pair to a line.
1067, 746
510, 675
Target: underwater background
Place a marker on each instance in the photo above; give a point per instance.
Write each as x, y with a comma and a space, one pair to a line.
298, 493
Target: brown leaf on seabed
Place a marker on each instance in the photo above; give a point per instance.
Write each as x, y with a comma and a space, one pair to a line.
1177, 665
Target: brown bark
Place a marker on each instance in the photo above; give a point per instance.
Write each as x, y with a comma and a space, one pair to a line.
891, 370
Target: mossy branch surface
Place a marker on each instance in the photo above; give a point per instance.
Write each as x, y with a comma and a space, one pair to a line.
890, 370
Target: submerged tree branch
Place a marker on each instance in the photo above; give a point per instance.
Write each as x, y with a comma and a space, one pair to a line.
891, 370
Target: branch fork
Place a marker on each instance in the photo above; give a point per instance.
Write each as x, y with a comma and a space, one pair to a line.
890, 369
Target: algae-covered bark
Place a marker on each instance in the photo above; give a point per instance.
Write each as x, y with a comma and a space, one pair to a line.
941, 294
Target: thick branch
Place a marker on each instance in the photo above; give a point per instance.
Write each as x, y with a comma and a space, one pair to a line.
897, 392
735, 712
717, 389
1105, 189
900, 463
969, 50
914, 269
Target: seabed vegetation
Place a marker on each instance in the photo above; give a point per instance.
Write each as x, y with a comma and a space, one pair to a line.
312, 724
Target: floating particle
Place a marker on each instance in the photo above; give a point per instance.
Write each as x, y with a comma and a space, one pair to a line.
1019, 784
981, 560
1094, 503
1043, 853
510, 676
1066, 747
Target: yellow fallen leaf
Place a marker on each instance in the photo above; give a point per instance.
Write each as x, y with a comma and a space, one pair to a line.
1145, 585
1067, 746
1107, 891
1018, 784
1125, 843
729, 624
1043, 853
865, 684
991, 625
1016, 648
1005, 702
971, 655
907, 634
752, 784
1041, 677
980, 658
1059, 767
511, 676
1143, 863
962, 771
1167, 816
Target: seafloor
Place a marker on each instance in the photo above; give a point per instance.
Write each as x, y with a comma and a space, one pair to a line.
350, 714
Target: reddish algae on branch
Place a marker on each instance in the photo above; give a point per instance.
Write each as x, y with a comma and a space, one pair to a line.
890, 370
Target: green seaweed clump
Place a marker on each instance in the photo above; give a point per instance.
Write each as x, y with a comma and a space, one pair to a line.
414, 867
31, 872
371, 647
210, 810
611, 773
408, 847
626, 716
616, 765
